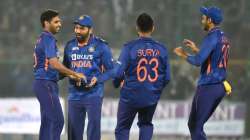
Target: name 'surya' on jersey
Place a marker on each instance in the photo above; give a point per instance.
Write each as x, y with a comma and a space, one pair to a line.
148, 52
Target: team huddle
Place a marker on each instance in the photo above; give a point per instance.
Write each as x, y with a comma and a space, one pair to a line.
141, 72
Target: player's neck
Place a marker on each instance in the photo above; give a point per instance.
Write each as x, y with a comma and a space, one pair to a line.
212, 26
47, 30
141, 34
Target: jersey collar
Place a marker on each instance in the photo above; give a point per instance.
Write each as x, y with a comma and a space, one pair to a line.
145, 38
214, 29
47, 33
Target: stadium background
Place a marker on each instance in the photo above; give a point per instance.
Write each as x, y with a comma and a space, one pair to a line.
114, 20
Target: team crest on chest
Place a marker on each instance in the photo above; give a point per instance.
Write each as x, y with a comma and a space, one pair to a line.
91, 49
75, 48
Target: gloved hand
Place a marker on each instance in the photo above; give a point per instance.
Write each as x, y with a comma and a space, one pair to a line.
227, 87
93, 82
82, 82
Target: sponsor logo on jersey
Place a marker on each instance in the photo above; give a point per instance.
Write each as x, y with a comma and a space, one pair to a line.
81, 57
81, 64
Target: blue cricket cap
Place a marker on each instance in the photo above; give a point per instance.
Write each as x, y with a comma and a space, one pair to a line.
214, 13
84, 20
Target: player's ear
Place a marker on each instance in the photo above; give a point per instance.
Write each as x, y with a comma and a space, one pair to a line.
209, 20
137, 29
153, 28
91, 30
46, 23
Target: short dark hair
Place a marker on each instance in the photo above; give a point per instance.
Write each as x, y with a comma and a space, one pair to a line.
144, 22
48, 15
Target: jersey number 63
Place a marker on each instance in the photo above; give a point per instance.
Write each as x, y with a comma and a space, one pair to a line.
142, 72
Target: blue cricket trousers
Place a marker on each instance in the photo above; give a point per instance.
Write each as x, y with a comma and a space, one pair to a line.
76, 118
125, 117
205, 101
51, 111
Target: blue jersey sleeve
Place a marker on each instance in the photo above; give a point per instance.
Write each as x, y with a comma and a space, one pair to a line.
107, 62
120, 67
207, 47
50, 48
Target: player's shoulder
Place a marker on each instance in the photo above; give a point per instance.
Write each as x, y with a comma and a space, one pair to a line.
71, 41
161, 47
101, 44
70, 45
131, 43
100, 40
215, 33
128, 45
160, 44
213, 37
46, 36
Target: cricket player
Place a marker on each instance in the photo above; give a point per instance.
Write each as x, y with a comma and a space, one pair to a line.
91, 56
212, 56
143, 66
46, 68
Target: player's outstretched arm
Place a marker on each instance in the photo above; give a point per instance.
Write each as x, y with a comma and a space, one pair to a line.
62, 69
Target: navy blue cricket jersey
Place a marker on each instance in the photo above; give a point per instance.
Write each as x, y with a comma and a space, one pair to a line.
93, 59
212, 57
44, 50
145, 69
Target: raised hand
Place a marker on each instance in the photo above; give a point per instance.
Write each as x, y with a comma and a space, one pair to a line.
180, 52
191, 45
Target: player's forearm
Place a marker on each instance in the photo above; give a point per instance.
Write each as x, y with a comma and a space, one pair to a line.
64, 70
194, 60
108, 74
60, 67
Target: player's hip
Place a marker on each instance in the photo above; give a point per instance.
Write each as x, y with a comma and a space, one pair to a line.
211, 90
39, 84
140, 98
85, 102
76, 94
